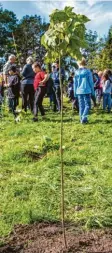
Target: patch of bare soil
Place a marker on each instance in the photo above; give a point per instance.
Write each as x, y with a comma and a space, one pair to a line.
48, 238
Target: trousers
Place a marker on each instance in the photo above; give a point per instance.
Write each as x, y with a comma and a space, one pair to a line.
38, 100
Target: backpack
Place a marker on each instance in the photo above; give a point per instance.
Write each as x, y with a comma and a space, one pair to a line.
49, 86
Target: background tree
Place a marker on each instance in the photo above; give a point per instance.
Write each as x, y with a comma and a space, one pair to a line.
92, 44
28, 36
65, 37
103, 59
8, 22
95, 46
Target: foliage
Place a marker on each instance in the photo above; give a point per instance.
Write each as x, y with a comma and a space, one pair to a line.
92, 44
65, 35
99, 51
105, 57
8, 22
27, 33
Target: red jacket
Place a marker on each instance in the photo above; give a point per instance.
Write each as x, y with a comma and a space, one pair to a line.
38, 78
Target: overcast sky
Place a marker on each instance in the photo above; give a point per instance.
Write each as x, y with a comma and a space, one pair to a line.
100, 12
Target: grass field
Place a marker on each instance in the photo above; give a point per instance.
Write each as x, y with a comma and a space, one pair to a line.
30, 170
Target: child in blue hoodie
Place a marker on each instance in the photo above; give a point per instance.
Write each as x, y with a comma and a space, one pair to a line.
83, 88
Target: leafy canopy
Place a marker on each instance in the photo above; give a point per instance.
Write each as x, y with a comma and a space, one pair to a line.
65, 35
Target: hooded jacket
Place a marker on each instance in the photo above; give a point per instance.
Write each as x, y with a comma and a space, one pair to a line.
83, 82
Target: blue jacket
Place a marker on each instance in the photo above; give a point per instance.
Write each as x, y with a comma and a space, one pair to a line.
83, 82
28, 74
55, 76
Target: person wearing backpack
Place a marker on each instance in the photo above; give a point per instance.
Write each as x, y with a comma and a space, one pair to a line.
40, 90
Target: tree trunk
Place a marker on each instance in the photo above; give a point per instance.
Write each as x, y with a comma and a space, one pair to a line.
61, 158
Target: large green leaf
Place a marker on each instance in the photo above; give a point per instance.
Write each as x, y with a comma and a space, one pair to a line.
58, 16
83, 18
65, 35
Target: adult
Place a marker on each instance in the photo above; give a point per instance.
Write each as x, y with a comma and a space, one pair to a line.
83, 88
55, 77
27, 89
11, 62
40, 90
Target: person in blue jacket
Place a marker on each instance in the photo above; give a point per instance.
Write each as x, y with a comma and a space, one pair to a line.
83, 88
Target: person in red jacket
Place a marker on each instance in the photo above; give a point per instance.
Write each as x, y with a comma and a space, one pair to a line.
40, 90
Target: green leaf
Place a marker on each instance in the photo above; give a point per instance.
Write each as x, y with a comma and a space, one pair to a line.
83, 18
58, 16
67, 39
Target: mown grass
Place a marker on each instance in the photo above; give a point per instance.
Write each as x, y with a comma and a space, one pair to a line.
30, 170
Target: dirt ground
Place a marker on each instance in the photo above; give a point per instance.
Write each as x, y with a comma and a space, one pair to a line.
48, 238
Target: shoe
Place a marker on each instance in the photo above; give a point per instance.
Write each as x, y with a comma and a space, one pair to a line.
35, 119
84, 122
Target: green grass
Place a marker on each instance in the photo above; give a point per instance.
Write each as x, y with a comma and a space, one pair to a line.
30, 170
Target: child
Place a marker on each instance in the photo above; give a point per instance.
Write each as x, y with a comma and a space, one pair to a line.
83, 88
70, 88
71, 96
13, 89
99, 88
97, 79
107, 87
40, 90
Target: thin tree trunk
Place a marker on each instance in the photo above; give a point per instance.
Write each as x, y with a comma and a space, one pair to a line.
61, 157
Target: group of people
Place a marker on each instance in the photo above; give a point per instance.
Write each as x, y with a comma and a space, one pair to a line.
34, 82
86, 85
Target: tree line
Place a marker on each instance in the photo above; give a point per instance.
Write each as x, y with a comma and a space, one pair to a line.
23, 38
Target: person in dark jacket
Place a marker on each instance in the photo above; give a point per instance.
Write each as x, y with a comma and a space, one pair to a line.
13, 89
55, 77
27, 89
73, 99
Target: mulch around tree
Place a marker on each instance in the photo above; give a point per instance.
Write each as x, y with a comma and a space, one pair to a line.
48, 238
